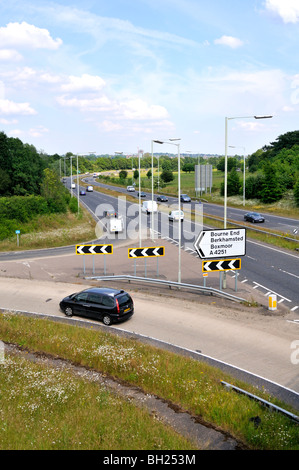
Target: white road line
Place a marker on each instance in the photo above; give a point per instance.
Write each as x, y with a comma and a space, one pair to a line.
290, 274
267, 289
274, 249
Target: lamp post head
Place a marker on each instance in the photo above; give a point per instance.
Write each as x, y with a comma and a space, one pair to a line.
263, 117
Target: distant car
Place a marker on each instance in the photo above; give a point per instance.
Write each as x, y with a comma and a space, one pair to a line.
185, 198
105, 304
90, 188
82, 192
175, 215
110, 214
131, 189
162, 198
142, 194
73, 185
254, 217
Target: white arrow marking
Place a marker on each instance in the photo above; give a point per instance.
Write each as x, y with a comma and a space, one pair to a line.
232, 264
156, 251
91, 249
219, 265
103, 249
144, 252
207, 266
132, 253
80, 250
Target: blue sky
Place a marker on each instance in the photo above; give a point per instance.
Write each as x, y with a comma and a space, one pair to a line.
111, 76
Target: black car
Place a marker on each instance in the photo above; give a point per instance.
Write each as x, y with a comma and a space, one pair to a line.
162, 198
185, 198
108, 305
254, 217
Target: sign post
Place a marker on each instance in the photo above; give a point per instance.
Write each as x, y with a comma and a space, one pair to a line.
94, 250
17, 233
147, 252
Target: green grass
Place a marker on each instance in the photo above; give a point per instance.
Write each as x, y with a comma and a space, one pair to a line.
187, 383
52, 230
43, 408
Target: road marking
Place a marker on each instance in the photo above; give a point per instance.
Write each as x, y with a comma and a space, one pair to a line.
270, 291
293, 309
274, 249
286, 272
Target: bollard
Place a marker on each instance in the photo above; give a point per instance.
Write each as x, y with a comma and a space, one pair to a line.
272, 302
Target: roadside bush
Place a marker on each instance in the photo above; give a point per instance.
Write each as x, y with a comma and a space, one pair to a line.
296, 193
73, 205
22, 208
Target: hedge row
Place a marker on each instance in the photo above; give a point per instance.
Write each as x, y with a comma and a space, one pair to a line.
16, 210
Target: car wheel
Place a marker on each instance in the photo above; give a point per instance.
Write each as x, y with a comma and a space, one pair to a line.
68, 311
107, 320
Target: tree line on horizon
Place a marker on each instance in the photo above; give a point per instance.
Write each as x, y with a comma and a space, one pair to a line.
271, 171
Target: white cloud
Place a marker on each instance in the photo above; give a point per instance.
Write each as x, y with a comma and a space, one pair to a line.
84, 83
109, 126
38, 131
10, 107
131, 109
27, 35
87, 104
229, 41
288, 10
10, 55
139, 109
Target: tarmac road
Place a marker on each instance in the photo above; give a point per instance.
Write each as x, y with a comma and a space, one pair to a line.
248, 338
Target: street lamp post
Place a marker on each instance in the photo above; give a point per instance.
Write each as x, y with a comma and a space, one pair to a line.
225, 165
172, 142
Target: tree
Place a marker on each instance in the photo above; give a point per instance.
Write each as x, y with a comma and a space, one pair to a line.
53, 191
231, 163
123, 174
296, 193
5, 182
233, 184
188, 167
167, 176
271, 190
136, 174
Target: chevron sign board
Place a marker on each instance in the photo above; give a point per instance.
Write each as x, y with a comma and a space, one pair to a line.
94, 249
146, 252
221, 265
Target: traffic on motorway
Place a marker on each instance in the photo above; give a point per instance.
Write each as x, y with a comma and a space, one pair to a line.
259, 268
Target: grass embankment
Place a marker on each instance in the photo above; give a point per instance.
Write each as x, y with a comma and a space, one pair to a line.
42, 409
52, 230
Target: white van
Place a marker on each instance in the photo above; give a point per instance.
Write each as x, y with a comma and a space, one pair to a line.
149, 206
90, 188
175, 215
73, 185
116, 225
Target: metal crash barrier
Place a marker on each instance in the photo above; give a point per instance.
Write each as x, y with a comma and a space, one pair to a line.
170, 284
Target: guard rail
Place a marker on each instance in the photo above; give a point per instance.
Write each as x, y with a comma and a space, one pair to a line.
170, 284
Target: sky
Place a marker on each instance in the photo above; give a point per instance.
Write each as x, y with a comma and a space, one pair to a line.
112, 76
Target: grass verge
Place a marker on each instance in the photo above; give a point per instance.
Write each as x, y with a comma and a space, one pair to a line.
46, 231
187, 383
